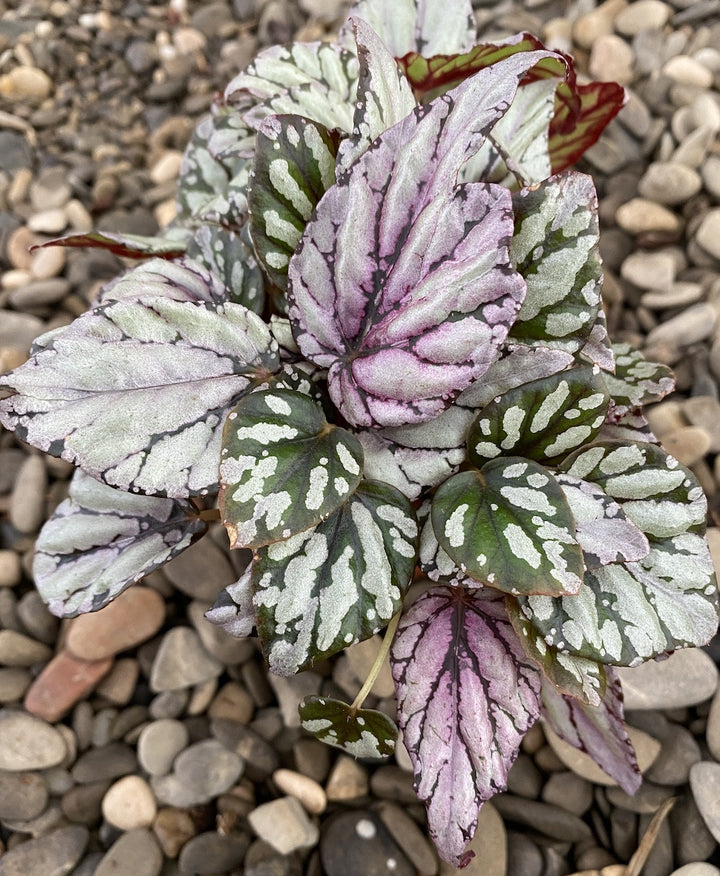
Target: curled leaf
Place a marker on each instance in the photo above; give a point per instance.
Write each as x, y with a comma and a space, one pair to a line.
364, 733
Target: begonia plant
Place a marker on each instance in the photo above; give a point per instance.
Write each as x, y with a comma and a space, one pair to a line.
372, 342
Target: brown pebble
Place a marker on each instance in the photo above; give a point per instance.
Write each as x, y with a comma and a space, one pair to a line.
63, 682
18, 248
688, 445
308, 792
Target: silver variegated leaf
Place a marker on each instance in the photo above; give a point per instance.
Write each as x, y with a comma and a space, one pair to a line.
597, 349
626, 613
604, 532
183, 279
636, 382
447, 431
543, 420
364, 733
435, 563
283, 467
294, 166
467, 694
555, 248
416, 25
99, 541
212, 186
314, 80
599, 731
509, 526
573, 676
135, 392
409, 469
233, 610
401, 285
631, 426
384, 96
230, 257
339, 583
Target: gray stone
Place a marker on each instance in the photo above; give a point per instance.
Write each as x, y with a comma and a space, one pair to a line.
17, 649
213, 852
412, 840
679, 294
15, 151
691, 838
289, 692
524, 778
224, 647
705, 787
182, 661
692, 325
668, 182
261, 759
203, 771
357, 843
524, 858
648, 799
649, 270
642, 15
686, 678
54, 854
678, 753
27, 502
159, 744
568, 791
22, 796
82, 804
107, 762
13, 684
41, 293
708, 234
28, 743
135, 853
549, 820
201, 571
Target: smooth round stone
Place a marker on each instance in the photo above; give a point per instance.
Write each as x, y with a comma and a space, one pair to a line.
649, 270
704, 411
159, 744
687, 71
667, 182
524, 856
133, 617
213, 852
699, 868
135, 853
17, 649
13, 684
22, 796
711, 175
357, 843
712, 731
612, 57
10, 568
224, 647
57, 852
25, 83
549, 820
489, 847
182, 661
688, 445
47, 263
646, 750
308, 792
692, 325
173, 828
201, 571
64, 681
260, 758
129, 803
234, 702
107, 762
28, 743
679, 294
208, 768
642, 15
686, 678
705, 787
678, 754
639, 216
48, 221
708, 234
82, 804
568, 791
27, 502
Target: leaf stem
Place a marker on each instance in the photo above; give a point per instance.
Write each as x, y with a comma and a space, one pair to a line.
209, 514
377, 665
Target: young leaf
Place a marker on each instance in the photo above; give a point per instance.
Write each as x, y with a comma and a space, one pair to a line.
636, 381
384, 96
467, 694
135, 392
555, 248
576, 677
314, 80
509, 525
627, 613
233, 610
542, 420
183, 279
294, 166
170, 245
339, 583
596, 730
416, 26
283, 467
400, 284
230, 257
99, 541
364, 733
604, 532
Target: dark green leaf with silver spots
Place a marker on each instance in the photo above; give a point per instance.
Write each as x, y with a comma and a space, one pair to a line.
364, 733
509, 526
283, 467
339, 583
636, 381
230, 257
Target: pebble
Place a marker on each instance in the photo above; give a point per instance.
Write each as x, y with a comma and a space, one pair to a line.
234, 702
104, 762
289, 692
548, 820
284, 824
13, 684
17, 649
48, 262
357, 843
696, 869
308, 792
596, 23
648, 799
27, 502
213, 852
64, 681
135, 853
39, 293
24, 83
58, 852
708, 234
688, 71
705, 787
611, 58
642, 15
688, 445
22, 795
692, 325
686, 678
201, 571
182, 661
667, 182
568, 791
159, 744
119, 684
50, 221
640, 216
201, 772
710, 172
412, 840
83, 803
645, 270
693, 841
680, 294
129, 803
694, 147
226, 648
678, 754
361, 658
28, 743
130, 619
10, 568
173, 828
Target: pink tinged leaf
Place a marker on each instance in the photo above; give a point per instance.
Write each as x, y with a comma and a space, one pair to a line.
183, 279
467, 694
596, 730
134, 246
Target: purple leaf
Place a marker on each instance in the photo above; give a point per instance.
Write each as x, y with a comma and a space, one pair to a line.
597, 730
467, 694
401, 285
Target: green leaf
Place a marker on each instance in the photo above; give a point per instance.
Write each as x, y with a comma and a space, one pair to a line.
434, 561
339, 583
509, 526
636, 381
230, 257
294, 167
283, 467
543, 420
364, 733
627, 613
555, 247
